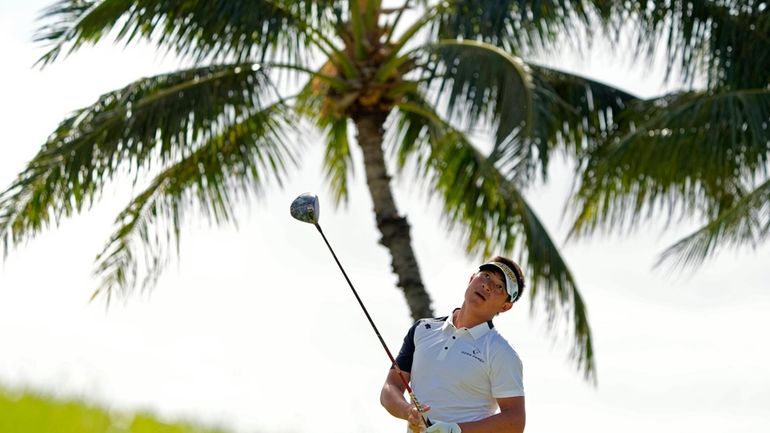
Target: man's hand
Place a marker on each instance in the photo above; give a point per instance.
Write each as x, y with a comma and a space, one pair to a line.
416, 421
444, 427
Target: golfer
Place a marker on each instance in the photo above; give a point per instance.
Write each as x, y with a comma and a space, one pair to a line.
460, 368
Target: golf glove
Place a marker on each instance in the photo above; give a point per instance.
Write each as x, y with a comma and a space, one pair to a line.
444, 427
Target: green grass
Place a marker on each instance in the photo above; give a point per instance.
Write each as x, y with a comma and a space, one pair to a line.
29, 412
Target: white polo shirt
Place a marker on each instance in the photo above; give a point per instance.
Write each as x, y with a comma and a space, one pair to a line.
460, 372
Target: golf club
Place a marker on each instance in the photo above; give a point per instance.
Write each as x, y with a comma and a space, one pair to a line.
305, 208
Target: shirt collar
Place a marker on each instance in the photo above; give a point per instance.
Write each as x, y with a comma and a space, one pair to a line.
476, 332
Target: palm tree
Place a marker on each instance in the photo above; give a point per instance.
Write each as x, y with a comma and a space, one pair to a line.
701, 152
413, 79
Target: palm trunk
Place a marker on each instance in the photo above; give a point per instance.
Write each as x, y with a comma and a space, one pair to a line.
393, 227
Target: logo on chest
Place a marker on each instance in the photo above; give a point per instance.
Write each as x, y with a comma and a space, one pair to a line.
475, 354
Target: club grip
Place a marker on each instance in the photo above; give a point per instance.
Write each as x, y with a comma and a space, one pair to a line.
417, 404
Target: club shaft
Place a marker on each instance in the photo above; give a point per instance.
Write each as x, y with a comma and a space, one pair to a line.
376, 331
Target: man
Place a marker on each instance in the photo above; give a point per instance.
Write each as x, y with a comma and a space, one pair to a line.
460, 369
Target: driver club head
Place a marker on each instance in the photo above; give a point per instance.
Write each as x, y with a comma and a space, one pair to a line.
305, 208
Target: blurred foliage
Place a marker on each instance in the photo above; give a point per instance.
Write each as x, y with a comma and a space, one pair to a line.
229, 126
31, 412
260, 80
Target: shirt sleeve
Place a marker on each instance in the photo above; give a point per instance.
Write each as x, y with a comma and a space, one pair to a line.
406, 354
507, 373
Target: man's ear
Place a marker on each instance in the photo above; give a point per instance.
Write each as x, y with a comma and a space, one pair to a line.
507, 306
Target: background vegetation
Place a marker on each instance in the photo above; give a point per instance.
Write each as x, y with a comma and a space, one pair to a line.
31, 412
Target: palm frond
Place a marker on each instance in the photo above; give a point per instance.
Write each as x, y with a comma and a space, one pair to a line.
571, 113
222, 29
482, 82
728, 42
515, 25
159, 119
683, 154
534, 109
229, 168
338, 161
492, 215
358, 24
324, 105
575, 111
746, 223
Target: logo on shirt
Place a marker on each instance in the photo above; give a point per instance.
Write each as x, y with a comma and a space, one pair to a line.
473, 354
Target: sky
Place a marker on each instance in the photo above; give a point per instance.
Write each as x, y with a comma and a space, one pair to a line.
253, 327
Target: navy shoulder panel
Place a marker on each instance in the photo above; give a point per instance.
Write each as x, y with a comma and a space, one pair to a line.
406, 354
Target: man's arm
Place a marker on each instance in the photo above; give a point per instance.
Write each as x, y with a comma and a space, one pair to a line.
392, 398
392, 395
511, 418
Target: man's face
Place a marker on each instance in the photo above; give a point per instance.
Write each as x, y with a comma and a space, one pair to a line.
486, 294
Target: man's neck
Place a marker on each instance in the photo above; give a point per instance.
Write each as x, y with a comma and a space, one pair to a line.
462, 318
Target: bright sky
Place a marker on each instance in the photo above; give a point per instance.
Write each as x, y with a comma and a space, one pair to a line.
255, 328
